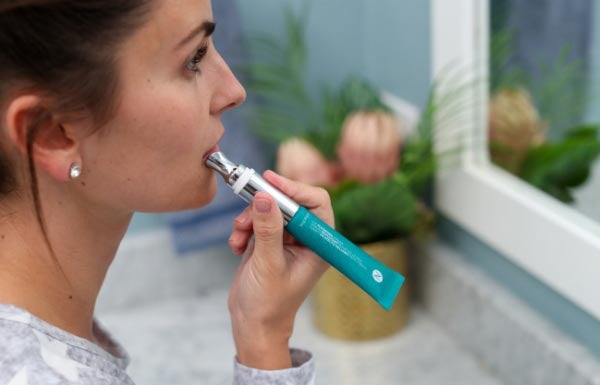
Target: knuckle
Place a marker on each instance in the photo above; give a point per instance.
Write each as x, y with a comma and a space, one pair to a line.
267, 230
323, 195
294, 188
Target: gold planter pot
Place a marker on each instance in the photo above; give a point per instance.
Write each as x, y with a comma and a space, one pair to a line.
342, 310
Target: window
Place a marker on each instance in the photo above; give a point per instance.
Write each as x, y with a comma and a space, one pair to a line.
550, 240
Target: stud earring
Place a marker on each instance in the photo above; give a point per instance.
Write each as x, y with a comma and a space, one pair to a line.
74, 171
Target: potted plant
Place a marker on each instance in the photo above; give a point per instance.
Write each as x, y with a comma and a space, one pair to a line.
522, 109
378, 212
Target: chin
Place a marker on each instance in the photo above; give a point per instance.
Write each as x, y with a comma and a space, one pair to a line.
194, 197
211, 191
206, 194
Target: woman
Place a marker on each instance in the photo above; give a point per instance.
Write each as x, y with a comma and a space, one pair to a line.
107, 108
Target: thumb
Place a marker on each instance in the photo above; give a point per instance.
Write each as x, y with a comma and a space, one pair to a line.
268, 229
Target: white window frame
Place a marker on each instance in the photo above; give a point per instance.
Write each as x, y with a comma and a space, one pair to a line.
546, 238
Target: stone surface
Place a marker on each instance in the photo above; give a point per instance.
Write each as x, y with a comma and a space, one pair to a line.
178, 340
188, 341
147, 269
513, 341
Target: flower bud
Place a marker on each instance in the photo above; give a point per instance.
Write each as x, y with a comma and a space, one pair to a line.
299, 160
514, 127
369, 147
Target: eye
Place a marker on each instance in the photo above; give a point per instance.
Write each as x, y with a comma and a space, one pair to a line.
192, 65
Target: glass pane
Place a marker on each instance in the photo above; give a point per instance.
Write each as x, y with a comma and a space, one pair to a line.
543, 114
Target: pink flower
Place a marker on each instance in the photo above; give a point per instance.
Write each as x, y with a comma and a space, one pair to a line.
369, 147
299, 160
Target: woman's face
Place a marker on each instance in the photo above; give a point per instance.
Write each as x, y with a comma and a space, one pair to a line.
149, 156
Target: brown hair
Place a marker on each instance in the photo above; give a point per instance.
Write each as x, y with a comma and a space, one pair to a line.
66, 49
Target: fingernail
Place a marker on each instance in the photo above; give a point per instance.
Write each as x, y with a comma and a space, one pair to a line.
274, 175
262, 205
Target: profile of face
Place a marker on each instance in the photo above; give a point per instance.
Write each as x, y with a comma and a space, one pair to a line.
173, 88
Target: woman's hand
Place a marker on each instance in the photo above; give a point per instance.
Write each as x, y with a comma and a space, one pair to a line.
275, 275
369, 148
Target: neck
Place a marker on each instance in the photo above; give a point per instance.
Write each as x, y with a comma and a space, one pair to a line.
60, 289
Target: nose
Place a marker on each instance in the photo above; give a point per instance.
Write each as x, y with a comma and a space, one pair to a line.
229, 93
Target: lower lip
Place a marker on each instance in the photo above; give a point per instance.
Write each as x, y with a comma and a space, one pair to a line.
208, 153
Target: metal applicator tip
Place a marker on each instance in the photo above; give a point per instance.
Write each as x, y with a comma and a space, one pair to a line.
219, 162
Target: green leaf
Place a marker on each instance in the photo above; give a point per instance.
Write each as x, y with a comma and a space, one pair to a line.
373, 212
277, 82
584, 131
558, 168
354, 94
357, 93
364, 213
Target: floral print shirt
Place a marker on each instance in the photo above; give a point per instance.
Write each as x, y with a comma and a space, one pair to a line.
35, 352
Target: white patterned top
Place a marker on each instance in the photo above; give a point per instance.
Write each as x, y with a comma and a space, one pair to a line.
35, 352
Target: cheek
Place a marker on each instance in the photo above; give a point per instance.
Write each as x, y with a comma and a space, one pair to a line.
170, 119
150, 156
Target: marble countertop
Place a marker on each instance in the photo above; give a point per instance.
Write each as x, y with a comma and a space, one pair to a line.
188, 341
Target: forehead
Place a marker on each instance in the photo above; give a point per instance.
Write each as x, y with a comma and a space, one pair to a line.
169, 22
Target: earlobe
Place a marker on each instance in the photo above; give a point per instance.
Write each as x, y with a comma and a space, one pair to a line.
28, 119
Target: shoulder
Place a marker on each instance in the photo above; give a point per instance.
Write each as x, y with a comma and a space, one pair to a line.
31, 355
18, 339
21, 353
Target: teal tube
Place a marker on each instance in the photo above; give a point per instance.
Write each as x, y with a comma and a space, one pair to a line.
376, 279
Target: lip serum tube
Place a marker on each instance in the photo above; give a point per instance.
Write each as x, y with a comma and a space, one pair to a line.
376, 279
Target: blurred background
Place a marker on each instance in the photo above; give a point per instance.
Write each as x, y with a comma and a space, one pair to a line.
544, 75
342, 38
338, 89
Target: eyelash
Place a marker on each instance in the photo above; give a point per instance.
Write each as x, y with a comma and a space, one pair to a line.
192, 65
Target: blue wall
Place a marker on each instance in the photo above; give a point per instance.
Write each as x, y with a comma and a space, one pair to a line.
386, 41
593, 110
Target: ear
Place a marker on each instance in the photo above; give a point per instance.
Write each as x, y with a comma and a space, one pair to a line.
54, 149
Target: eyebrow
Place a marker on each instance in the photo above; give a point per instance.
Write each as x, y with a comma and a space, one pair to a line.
207, 27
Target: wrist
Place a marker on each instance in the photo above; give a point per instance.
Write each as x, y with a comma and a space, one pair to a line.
262, 347
269, 356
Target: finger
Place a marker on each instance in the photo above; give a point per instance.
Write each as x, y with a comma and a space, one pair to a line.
306, 195
288, 239
241, 232
248, 252
310, 266
244, 220
316, 199
267, 223
238, 240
